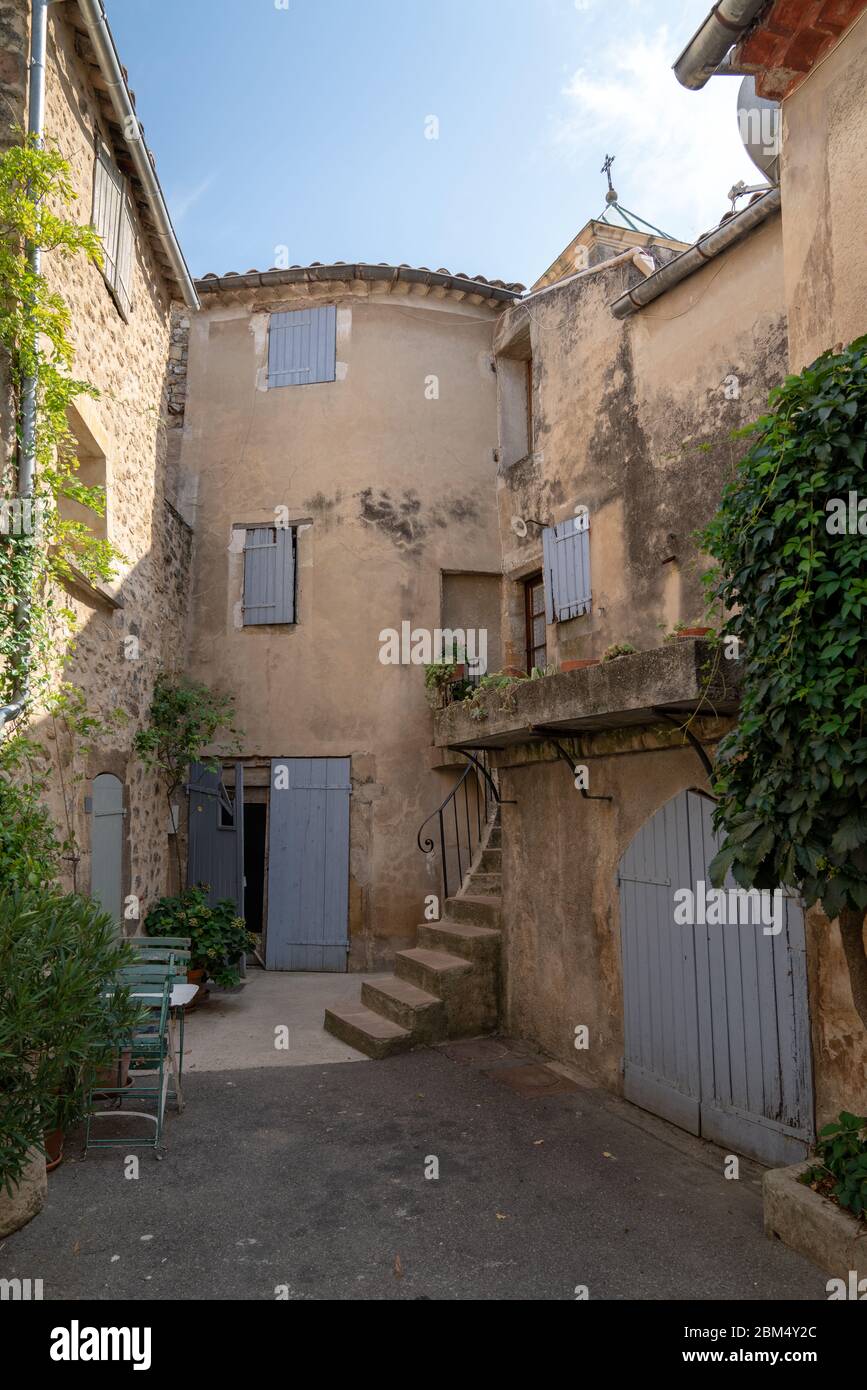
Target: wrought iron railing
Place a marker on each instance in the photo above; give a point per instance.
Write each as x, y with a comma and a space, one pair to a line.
461, 819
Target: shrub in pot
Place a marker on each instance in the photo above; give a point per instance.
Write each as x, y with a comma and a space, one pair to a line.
58, 954
218, 936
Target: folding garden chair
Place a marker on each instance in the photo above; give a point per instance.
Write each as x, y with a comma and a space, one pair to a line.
152, 1052
153, 949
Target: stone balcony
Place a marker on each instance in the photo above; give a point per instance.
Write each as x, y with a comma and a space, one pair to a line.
683, 677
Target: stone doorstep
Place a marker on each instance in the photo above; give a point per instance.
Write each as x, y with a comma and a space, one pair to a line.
812, 1225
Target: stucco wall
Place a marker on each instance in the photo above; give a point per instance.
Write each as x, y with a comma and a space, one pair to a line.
561, 914
389, 488
634, 421
824, 184
126, 361
560, 903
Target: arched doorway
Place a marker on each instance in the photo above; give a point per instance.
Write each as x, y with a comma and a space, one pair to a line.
106, 844
716, 1015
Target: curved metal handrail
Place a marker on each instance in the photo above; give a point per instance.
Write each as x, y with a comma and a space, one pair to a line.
429, 844
470, 825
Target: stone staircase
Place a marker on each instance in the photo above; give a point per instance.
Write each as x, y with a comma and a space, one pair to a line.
448, 985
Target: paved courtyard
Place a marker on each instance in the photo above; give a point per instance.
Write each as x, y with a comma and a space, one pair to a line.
307, 1179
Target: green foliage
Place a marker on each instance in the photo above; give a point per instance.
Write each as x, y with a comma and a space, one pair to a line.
618, 649
841, 1171
183, 719
792, 777
29, 849
218, 938
36, 194
76, 731
58, 954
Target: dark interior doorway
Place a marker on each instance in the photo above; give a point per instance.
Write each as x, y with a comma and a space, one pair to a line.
254, 865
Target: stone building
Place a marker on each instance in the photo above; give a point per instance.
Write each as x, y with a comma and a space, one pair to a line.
322, 467
745, 1033
128, 631
337, 465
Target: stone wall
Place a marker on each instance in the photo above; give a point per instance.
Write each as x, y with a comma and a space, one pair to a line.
388, 488
126, 632
634, 420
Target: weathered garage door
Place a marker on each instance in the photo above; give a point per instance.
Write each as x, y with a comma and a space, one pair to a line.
216, 840
308, 864
716, 1016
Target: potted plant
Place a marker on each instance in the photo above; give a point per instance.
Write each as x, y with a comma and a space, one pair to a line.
579, 663
618, 649
218, 936
57, 1022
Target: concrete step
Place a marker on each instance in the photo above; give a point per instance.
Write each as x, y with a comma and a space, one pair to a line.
491, 861
484, 911
495, 838
465, 939
421, 1013
368, 1031
437, 972
484, 884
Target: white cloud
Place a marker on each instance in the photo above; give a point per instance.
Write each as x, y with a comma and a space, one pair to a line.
181, 203
678, 152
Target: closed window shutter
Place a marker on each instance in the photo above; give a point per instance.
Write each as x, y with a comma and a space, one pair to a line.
269, 576
123, 285
302, 346
113, 221
107, 211
566, 560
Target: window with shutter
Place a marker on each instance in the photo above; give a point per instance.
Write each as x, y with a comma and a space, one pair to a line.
269, 575
566, 561
302, 346
112, 219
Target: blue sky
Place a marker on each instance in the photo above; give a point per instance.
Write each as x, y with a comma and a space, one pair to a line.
302, 124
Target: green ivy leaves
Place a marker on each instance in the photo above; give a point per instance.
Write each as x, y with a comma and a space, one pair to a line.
791, 777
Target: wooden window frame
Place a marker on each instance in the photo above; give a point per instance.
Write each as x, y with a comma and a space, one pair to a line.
533, 581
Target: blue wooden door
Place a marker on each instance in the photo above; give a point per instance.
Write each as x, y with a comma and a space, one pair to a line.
106, 844
308, 864
215, 855
716, 1016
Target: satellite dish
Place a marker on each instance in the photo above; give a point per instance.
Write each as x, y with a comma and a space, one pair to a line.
519, 526
759, 122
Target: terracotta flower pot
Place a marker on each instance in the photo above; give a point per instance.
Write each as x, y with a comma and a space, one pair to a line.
579, 665
195, 977
108, 1075
53, 1141
693, 632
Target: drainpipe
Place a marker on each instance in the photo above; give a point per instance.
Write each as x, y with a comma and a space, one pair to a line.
27, 450
704, 250
96, 24
723, 27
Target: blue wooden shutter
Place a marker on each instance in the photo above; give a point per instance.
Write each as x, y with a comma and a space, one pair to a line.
566, 566
302, 346
269, 575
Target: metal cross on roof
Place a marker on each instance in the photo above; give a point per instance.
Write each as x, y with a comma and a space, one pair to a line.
611, 202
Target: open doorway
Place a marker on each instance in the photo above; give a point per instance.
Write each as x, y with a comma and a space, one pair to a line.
255, 814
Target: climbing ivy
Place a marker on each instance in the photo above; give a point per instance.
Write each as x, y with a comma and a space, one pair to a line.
37, 544
791, 571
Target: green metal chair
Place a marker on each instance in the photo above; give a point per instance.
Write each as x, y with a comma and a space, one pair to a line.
153, 949
152, 1048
